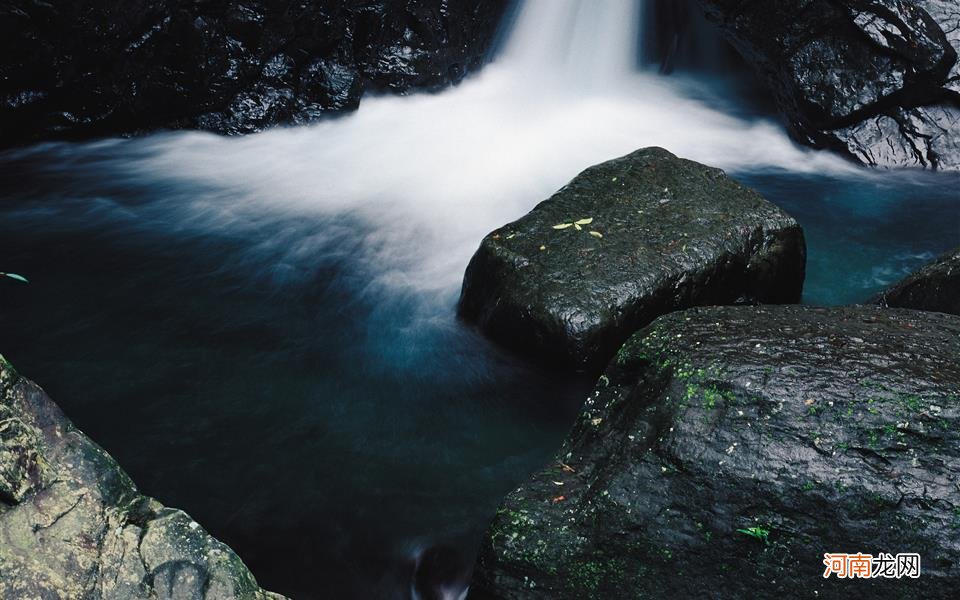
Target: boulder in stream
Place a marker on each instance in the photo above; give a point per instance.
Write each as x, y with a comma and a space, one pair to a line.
726, 449
934, 287
623, 243
73, 525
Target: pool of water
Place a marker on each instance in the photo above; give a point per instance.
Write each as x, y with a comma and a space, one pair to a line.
324, 428
865, 231
263, 370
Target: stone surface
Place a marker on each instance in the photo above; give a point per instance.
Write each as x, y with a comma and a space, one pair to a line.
675, 234
76, 69
934, 287
826, 430
73, 525
875, 79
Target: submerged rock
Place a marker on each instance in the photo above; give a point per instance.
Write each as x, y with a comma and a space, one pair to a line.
876, 79
935, 287
726, 449
73, 525
623, 243
75, 69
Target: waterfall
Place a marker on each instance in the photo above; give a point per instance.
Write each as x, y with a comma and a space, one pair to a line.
591, 42
429, 174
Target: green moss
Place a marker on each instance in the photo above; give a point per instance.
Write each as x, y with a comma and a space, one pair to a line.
586, 577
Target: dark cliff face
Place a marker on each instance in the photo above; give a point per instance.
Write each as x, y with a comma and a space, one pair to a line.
875, 79
80, 68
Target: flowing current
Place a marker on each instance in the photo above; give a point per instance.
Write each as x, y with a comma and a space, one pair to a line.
432, 173
261, 329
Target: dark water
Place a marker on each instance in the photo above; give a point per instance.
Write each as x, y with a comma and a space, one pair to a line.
253, 372
325, 431
865, 233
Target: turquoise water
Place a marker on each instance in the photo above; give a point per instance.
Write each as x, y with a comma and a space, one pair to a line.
865, 232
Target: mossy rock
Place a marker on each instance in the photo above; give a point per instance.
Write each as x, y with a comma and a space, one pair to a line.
726, 449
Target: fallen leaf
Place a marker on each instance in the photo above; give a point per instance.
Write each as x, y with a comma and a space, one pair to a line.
567, 468
557, 483
563, 225
559, 499
543, 247
15, 276
596, 234
586, 221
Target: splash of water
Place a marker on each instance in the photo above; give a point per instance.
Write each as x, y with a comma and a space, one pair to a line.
430, 174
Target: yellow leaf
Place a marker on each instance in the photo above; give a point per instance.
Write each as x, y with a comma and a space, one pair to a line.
577, 226
563, 225
543, 247
586, 221
596, 234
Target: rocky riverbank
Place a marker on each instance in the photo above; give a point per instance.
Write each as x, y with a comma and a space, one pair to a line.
726, 449
73, 524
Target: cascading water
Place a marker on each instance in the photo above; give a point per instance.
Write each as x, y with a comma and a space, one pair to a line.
588, 44
214, 310
565, 94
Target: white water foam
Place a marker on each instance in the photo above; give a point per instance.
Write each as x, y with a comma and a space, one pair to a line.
432, 173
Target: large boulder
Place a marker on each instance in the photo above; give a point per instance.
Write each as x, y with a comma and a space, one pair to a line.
73, 525
875, 79
623, 243
726, 449
934, 287
95, 68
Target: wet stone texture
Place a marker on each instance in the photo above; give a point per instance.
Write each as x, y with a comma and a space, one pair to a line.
79, 69
811, 430
934, 287
73, 525
875, 79
623, 243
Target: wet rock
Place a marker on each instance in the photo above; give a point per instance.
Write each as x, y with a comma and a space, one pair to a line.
875, 79
726, 449
80, 69
623, 243
73, 525
934, 287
